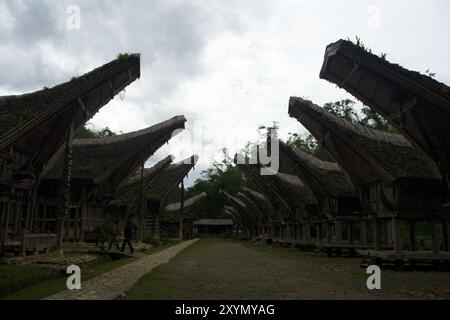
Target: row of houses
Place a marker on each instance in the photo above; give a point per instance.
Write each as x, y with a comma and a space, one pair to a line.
55, 188
382, 186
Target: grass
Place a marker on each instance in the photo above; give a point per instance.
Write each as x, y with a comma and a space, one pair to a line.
48, 287
230, 269
19, 282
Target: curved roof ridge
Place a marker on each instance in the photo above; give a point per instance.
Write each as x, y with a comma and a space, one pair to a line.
374, 134
129, 135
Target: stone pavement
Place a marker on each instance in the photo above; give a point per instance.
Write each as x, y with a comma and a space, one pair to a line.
114, 283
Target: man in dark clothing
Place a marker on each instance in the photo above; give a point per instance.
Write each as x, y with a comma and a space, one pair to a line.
128, 236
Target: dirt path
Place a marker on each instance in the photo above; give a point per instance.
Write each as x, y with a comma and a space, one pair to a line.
112, 284
229, 269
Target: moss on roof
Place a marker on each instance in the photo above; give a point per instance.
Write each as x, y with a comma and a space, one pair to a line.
18, 109
392, 152
427, 81
95, 159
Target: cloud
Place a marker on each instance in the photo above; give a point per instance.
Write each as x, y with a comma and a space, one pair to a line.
228, 66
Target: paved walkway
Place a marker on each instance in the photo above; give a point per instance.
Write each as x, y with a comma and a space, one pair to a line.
112, 284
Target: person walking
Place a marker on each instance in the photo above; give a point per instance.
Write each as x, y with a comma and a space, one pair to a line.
128, 236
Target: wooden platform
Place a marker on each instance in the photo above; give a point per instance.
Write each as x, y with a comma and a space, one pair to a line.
343, 249
406, 259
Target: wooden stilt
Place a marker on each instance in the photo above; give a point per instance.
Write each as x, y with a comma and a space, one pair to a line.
445, 234
350, 232
376, 234
396, 237
338, 231
363, 233
412, 235
329, 232
435, 238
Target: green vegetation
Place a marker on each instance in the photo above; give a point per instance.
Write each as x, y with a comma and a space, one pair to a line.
86, 133
123, 56
232, 269
49, 286
15, 277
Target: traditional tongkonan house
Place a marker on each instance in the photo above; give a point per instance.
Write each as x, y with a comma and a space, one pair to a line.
178, 217
417, 105
262, 207
129, 200
35, 129
289, 197
338, 202
99, 166
156, 196
394, 180
247, 217
237, 222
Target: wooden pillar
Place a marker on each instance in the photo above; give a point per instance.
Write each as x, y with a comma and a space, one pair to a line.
435, 237
396, 236
350, 231
338, 231
363, 233
318, 236
4, 234
376, 234
63, 211
445, 234
412, 235
328, 232
180, 233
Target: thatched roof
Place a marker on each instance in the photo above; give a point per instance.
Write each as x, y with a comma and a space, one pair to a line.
110, 160
322, 177
366, 153
170, 178
214, 222
416, 104
129, 193
39, 120
282, 188
176, 206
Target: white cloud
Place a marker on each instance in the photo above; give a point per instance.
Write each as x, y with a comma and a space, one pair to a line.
228, 66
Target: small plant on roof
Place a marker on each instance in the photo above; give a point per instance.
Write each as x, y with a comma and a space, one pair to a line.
360, 44
383, 55
430, 74
123, 56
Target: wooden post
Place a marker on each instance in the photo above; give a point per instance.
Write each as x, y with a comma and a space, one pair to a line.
435, 237
318, 236
412, 235
5, 213
329, 232
63, 211
396, 236
338, 231
445, 234
350, 231
376, 234
180, 233
363, 233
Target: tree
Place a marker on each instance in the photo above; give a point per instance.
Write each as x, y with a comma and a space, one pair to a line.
344, 109
86, 133
223, 175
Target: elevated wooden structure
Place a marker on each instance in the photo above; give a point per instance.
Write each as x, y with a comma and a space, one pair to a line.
416, 104
34, 128
99, 167
394, 180
337, 199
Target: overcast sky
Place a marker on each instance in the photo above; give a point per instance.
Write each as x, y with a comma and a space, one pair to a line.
228, 66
